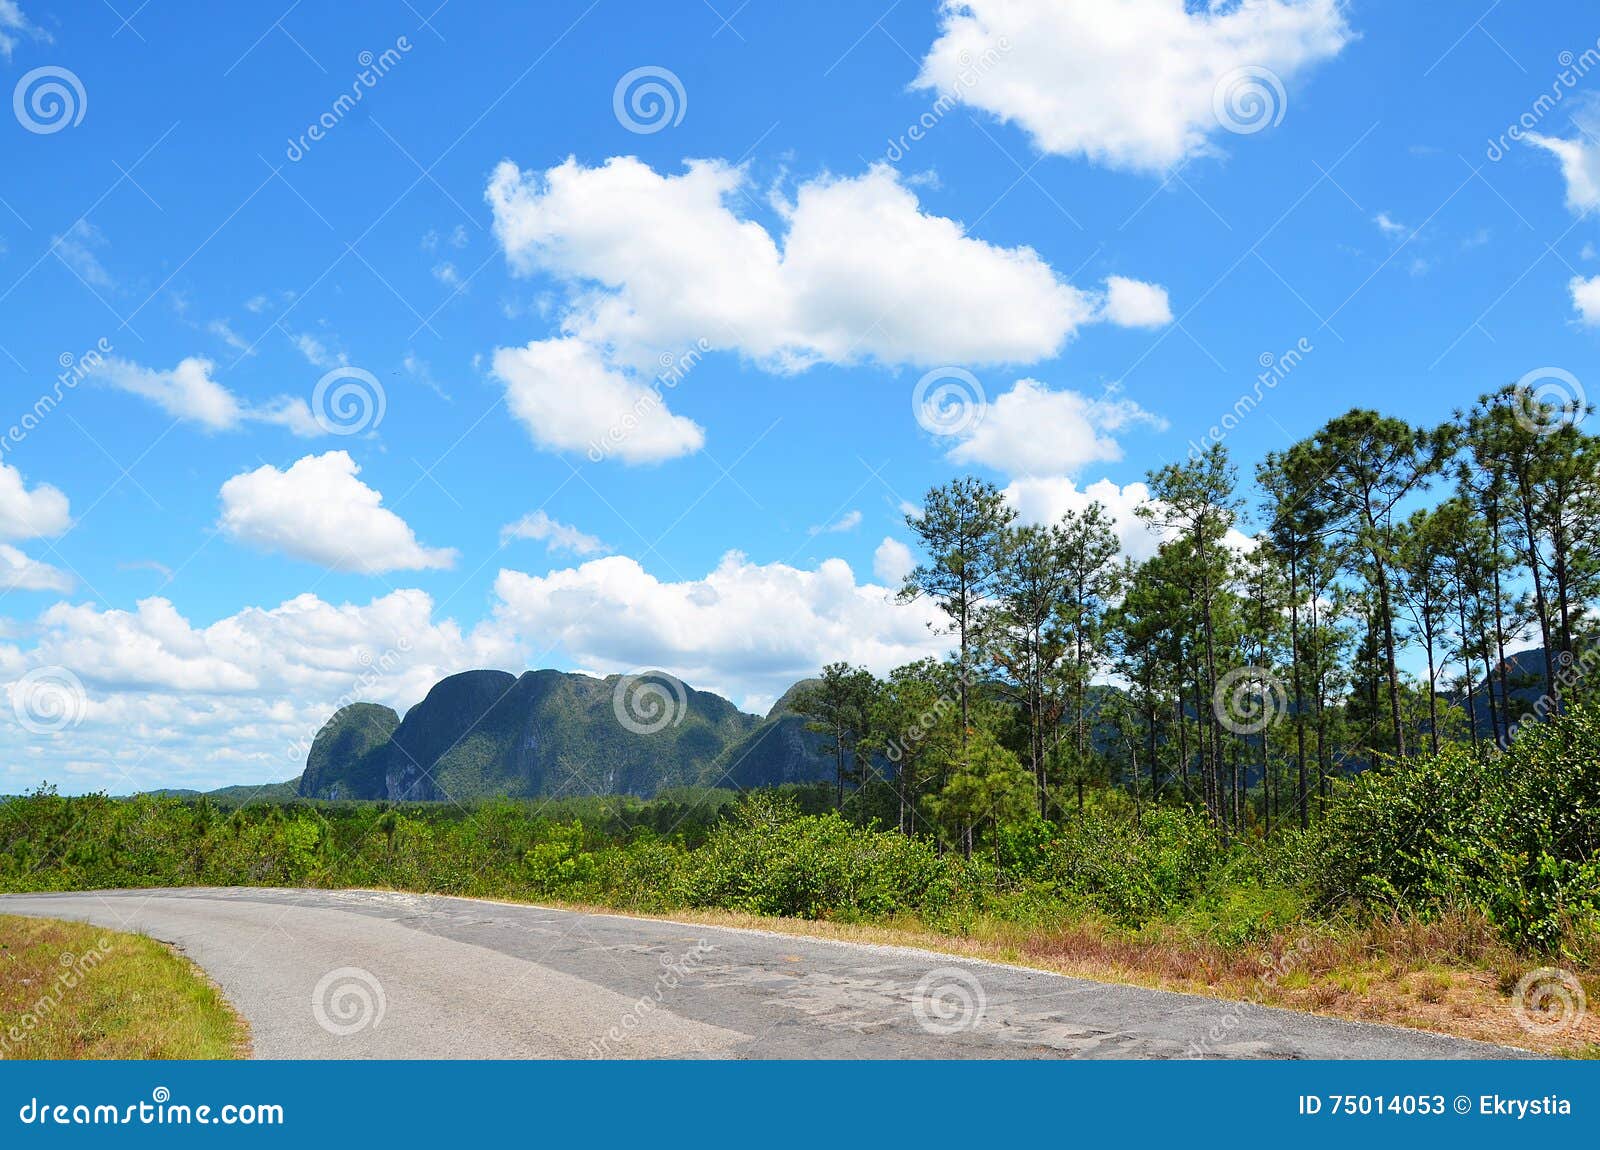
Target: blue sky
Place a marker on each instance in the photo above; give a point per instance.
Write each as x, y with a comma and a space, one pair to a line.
197, 577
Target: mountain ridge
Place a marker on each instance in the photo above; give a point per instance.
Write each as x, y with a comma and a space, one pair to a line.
548, 733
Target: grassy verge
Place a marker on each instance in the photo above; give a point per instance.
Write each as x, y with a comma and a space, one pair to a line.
1451, 975
71, 990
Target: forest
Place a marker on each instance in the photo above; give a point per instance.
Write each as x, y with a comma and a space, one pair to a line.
1408, 589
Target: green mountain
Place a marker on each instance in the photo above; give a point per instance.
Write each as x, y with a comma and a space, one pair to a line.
544, 733
343, 763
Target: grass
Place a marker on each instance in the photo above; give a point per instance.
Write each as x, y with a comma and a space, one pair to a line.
73, 991
1451, 974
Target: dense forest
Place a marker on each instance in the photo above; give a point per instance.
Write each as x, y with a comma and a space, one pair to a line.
1241, 674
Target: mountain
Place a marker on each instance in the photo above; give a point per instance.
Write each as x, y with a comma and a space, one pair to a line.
235, 796
778, 750
485, 733
343, 763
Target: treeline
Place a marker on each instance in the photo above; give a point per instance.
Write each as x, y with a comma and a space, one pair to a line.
1249, 669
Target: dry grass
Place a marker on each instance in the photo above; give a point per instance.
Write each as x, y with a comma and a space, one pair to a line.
1451, 975
70, 990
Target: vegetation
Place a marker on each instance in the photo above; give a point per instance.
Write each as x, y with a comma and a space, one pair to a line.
1294, 747
70, 990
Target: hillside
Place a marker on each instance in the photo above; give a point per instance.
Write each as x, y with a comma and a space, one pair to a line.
553, 733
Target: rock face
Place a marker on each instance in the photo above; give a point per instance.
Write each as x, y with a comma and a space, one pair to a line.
343, 762
485, 733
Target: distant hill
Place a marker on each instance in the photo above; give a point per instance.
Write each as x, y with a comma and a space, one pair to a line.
236, 796
484, 733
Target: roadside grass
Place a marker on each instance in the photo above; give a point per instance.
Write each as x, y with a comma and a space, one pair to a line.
73, 991
1451, 974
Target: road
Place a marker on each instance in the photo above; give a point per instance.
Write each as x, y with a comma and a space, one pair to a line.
370, 974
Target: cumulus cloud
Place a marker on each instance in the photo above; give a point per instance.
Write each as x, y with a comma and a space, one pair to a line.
555, 535
190, 392
1032, 430
859, 271
1134, 303
20, 573
1045, 500
1580, 164
1130, 84
29, 513
747, 630
568, 398
892, 562
318, 510
1586, 299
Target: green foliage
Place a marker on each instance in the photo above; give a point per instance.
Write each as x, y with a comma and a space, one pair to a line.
1516, 835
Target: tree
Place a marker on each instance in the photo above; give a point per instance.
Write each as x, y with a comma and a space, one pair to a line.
840, 707
960, 529
1022, 630
1367, 465
1195, 502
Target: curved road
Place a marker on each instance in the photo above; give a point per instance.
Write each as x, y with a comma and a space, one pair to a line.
369, 974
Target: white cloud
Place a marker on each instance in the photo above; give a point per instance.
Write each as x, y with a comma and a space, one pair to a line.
849, 521
1045, 500
14, 24
656, 263
316, 352
26, 514
1390, 227
223, 330
1586, 299
1031, 430
568, 399
319, 511
20, 573
747, 630
892, 562
1125, 83
1134, 303
76, 248
555, 535
175, 704
1580, 165
188, 392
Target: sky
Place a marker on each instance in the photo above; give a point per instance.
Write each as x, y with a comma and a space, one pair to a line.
344, 349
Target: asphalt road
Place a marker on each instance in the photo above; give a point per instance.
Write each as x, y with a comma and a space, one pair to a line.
368, 974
